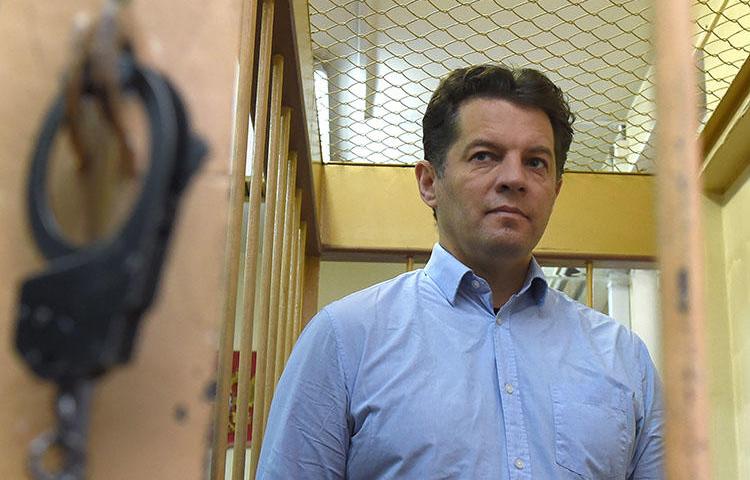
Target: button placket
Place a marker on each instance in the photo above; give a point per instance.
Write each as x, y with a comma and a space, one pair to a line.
513, 414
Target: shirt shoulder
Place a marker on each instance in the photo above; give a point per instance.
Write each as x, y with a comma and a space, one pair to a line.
578, 312
610, 337
367, 320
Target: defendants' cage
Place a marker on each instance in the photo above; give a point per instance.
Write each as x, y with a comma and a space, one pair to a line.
379, 61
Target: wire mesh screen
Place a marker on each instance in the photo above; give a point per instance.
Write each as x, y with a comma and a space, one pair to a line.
378, 62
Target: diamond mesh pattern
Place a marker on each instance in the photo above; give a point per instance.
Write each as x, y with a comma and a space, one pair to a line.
383, 59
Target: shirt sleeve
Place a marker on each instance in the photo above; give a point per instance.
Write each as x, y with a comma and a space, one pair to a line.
648, 458
307, 435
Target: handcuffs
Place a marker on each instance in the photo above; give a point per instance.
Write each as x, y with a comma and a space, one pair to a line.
79, 318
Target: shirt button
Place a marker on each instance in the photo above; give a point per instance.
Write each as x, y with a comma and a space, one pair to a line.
519, 464
475, 283
509, 388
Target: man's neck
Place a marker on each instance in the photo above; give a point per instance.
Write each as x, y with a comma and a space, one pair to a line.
505, 279
505, 276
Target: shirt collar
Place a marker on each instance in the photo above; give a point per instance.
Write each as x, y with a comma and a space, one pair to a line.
448, 272
535, 283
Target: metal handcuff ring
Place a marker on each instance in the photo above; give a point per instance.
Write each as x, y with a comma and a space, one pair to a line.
79, 317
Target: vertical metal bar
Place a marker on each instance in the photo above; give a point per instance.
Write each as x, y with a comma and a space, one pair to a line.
275, 283
234, 237
590, 283
294, 276
410, 263
289, 213
253, 226
681, 244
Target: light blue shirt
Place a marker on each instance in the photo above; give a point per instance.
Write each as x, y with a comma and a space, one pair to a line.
418, 378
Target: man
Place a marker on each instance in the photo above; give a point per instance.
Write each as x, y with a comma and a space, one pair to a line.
472, 367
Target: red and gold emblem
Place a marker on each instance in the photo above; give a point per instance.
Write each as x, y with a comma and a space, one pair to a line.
233, 399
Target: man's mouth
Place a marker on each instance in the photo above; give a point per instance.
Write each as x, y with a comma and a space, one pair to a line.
505, 209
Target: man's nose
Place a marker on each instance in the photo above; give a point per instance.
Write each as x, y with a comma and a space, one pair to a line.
510, 174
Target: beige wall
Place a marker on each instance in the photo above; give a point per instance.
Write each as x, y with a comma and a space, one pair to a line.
721, 382
728, 310
339, 279
728, 283
736, 230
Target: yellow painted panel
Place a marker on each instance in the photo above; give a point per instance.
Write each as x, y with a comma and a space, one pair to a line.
378, 209
373, 208
602, 216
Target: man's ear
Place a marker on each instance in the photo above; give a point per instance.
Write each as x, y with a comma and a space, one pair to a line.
426, 177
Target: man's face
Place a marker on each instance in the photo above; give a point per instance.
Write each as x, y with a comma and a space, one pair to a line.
499, 184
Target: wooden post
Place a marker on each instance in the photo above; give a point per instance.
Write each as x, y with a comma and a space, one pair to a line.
590, 283
409, 263
304, 271
272, 311
234, 238
680, 245
292, 307
268, 8
253, 226
287, 298
289, 214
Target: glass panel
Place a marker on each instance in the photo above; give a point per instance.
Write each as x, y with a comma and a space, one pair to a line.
569, 280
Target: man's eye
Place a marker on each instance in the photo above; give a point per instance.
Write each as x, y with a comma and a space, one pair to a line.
481, 156
537, 163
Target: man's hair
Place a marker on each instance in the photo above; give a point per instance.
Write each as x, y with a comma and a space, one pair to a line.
525, 87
